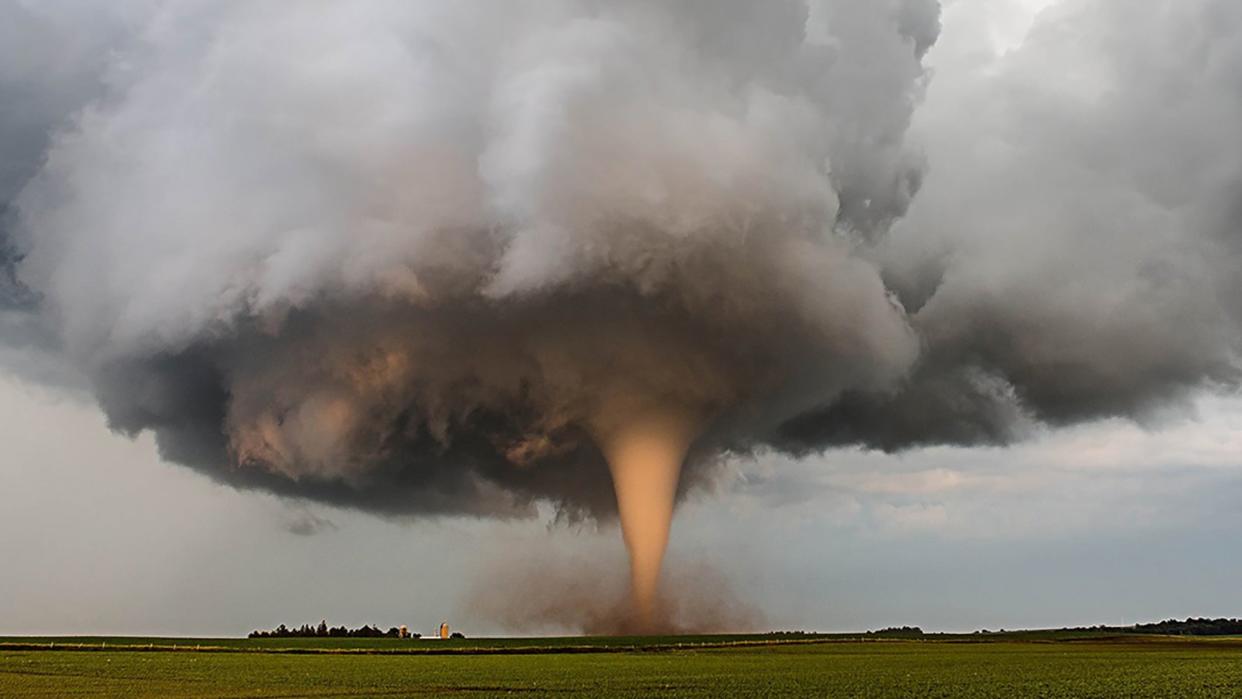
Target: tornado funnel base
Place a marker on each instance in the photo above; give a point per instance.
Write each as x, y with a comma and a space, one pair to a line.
645, 455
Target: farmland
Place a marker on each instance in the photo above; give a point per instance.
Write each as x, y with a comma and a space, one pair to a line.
1048, 665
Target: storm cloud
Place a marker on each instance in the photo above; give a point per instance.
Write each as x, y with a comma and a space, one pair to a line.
418, 257
1074, 254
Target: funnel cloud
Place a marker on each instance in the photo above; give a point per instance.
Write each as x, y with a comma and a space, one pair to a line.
426, 258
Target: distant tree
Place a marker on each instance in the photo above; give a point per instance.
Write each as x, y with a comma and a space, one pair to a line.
1172, 627
457, 634
1193, 627
323, 630
897, 631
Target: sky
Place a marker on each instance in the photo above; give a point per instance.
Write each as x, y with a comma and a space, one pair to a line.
1110, 520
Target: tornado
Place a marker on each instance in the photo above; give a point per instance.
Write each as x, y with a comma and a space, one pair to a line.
645, 454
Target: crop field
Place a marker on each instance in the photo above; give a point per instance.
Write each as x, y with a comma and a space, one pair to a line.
1047, 665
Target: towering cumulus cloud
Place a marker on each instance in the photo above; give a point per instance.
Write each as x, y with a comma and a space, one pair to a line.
1076, 252
461, 257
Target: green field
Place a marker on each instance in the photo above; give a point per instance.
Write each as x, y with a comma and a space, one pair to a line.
1044, 665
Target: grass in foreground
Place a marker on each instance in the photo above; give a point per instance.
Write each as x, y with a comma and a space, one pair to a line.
1126, 666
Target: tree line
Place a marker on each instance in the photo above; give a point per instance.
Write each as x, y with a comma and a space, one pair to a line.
1193, 627
324, 631
1173, 627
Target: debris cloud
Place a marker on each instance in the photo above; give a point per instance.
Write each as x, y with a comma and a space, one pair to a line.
542, 594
